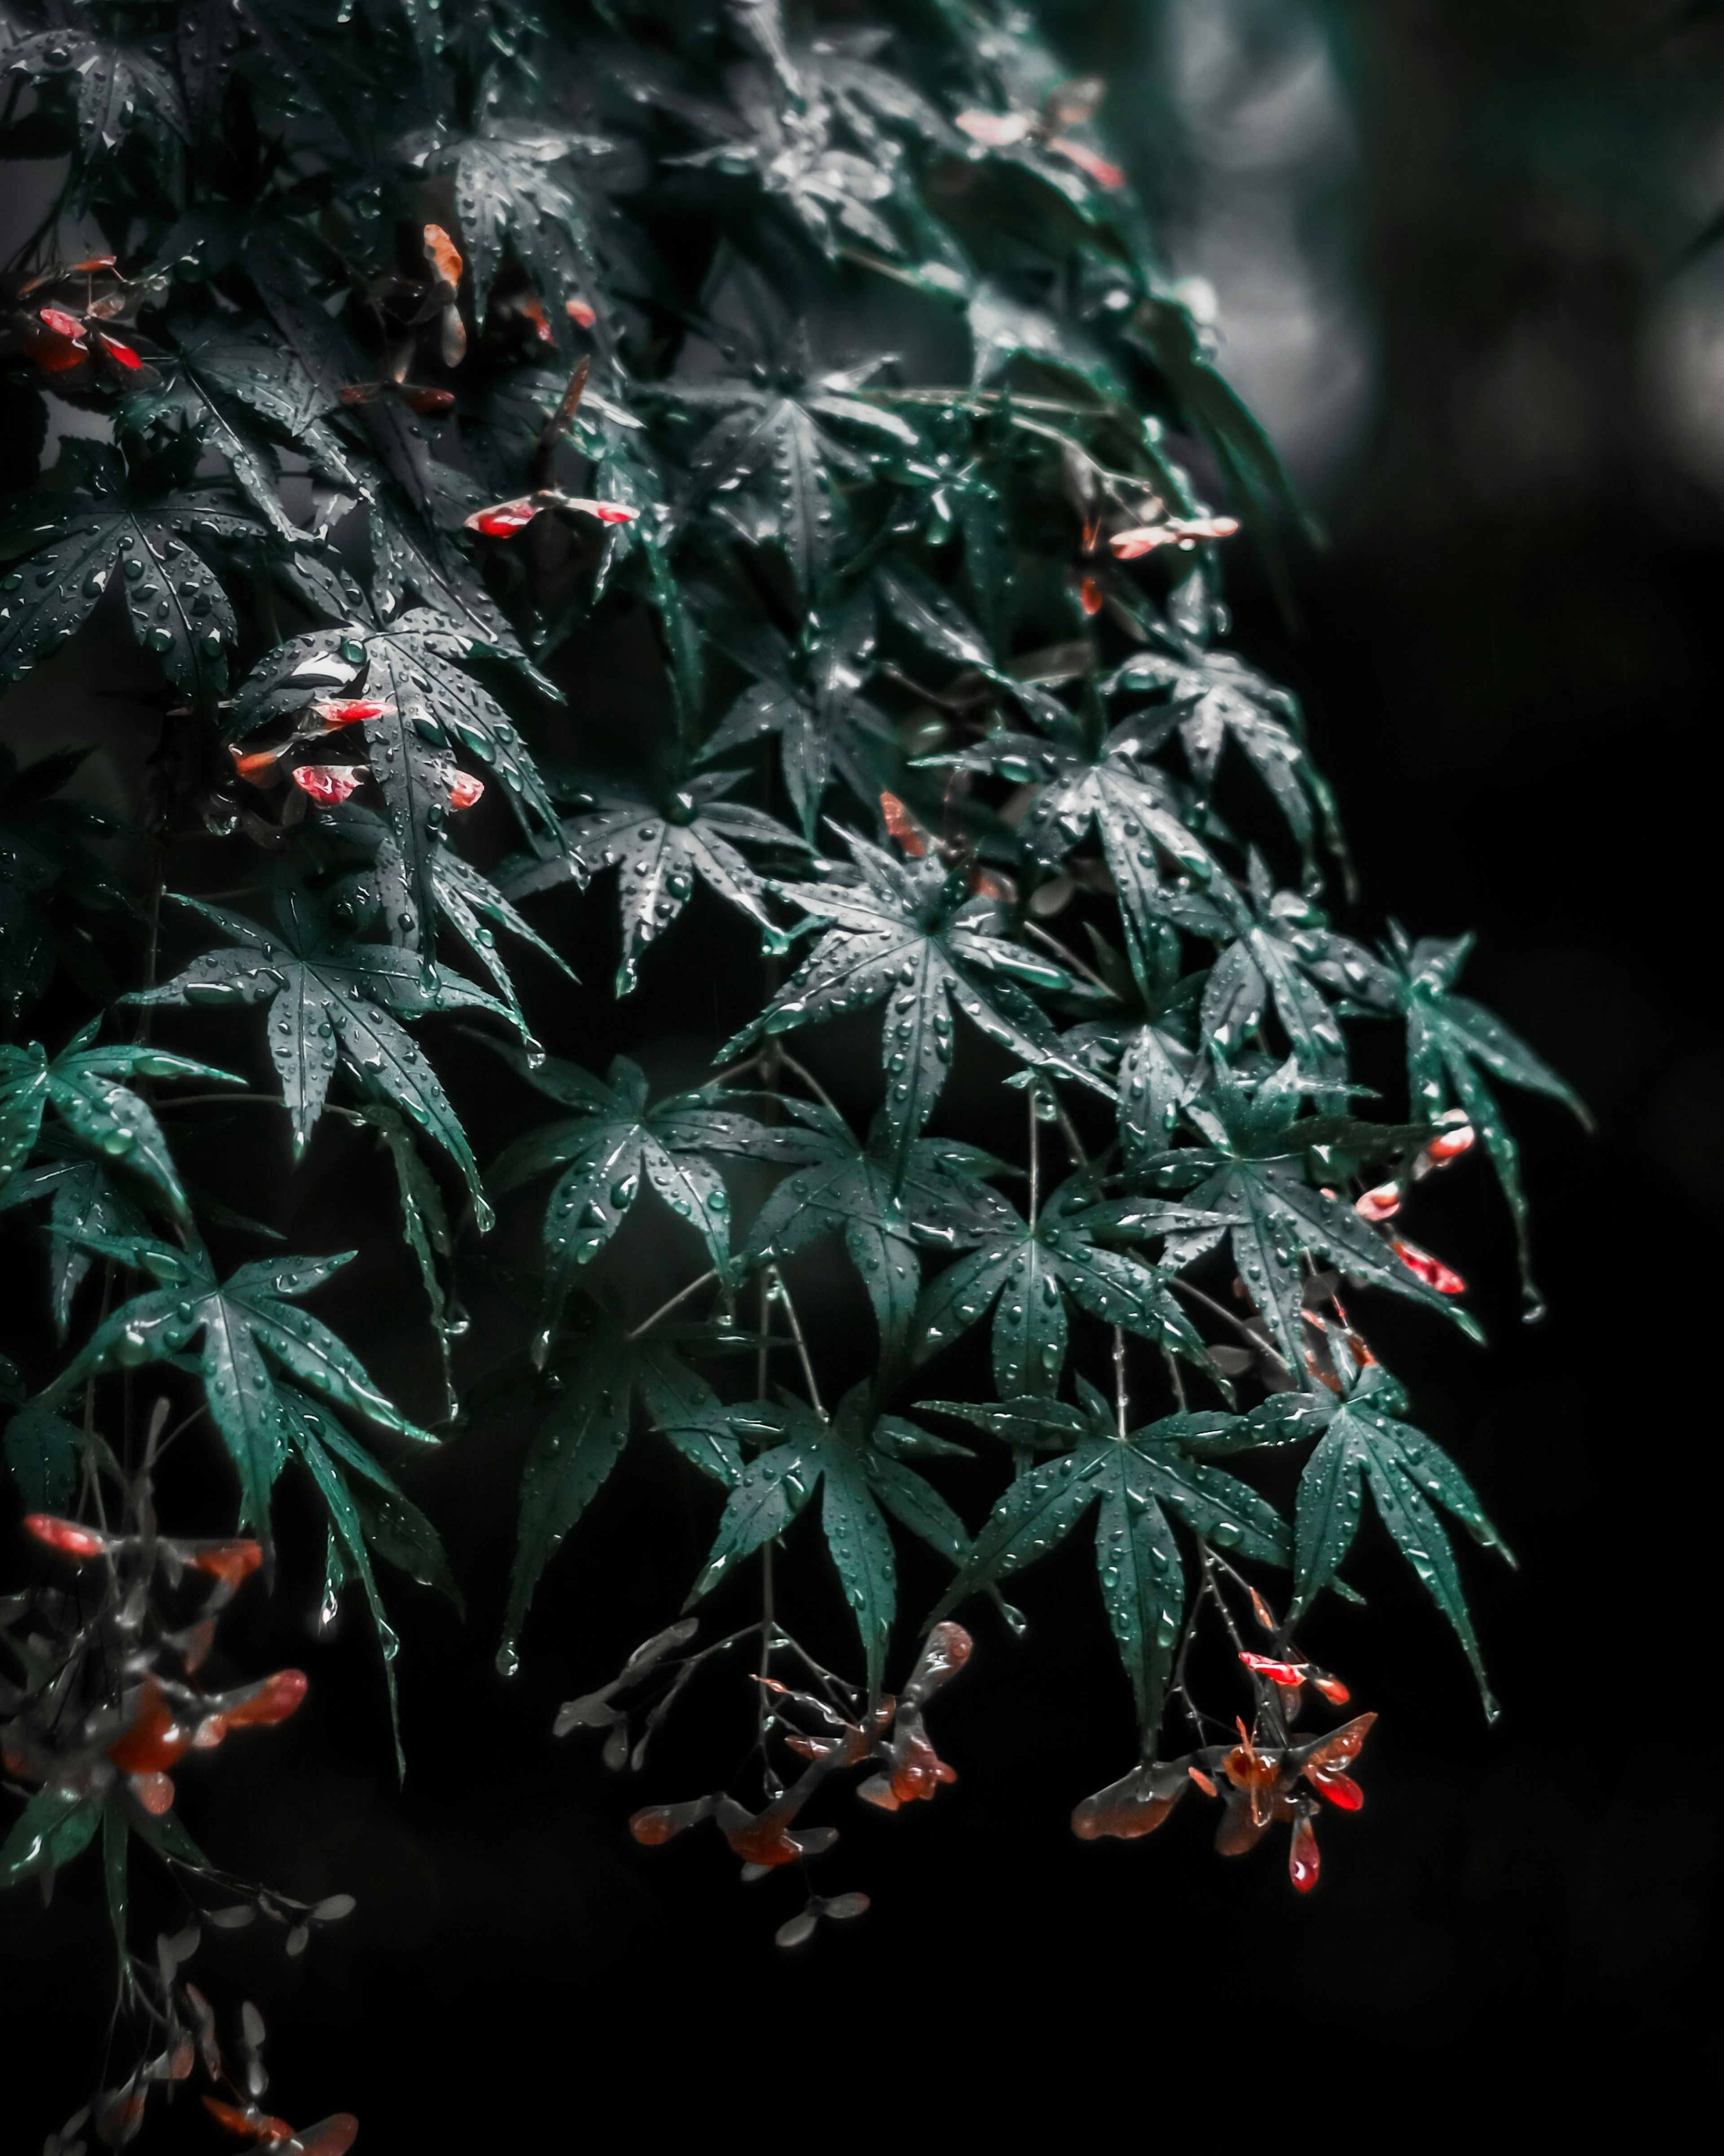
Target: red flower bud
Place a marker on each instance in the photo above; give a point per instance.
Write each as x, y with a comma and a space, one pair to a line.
272, 1701
1449, 1145
1381, 1203
464, 790
580, 314
228, 1561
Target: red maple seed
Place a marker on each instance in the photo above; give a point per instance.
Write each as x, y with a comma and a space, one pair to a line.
903, 826
66, 1536
333, 2136
534, 309
920, 1772
253, 2125
1302, 1858
155, 1739
429, 403
228, 1561
1381, 1203
63, 324
504, 518
1450, 1144
1090, 597
1260, 1611
1290, 1676
580, 314
606, 512
444, 256
123, 352
255, 765
349, 710
464, 790
1101, 170
329, 783
1202, 1780
1341, 1790
1333, 1690
274, 1699
999, 131
1431, 1271
1177, 531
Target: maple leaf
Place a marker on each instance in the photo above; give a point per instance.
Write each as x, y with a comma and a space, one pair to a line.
1365, 1446
1254, 1169
248, 1329
602, 1372
911, 932
660, 843
772, 457
334, 1003
427, 705
85, 1087
1029, 1271
48, 870
857, 1485
513, 195
1086, 778
886, 1211
1219, 699
809, 695
77, 543
613, 1141
1142, 1481
1452, 1044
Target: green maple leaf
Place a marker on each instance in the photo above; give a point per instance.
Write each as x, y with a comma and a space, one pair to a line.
858, 1484
1281, 940
248, 1330
75, 545
368, 1514
1256, 1170
334, 1003
911, 932
1452, 1044
602, 1373
809, 695
1086, 778
660, 844
117, 91
1029, 1272
886, 1211
85, 1202
85, 1087
1365, 1446
613, 1146
1142, 1481
773, 458
414, 668
512, 196
1219, 700
47, 870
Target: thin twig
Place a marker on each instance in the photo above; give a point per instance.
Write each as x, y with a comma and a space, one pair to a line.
782, 1295
665, 1308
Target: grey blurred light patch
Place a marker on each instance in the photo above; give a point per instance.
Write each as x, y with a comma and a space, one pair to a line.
1681, 372
1259, 231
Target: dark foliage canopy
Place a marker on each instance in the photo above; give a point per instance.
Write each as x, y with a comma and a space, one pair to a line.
423, 340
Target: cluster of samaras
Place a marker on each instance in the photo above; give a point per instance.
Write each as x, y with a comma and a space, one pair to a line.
117, 1700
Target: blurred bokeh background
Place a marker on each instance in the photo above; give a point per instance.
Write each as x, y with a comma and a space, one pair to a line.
1452, 251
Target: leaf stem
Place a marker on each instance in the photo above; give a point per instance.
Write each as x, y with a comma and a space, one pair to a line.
664, 1309
781, 1294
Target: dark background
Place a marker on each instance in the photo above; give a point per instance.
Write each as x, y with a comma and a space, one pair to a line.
1506, 647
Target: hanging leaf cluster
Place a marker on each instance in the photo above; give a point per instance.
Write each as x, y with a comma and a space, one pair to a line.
436, 407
